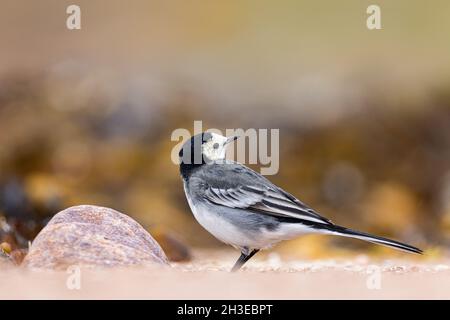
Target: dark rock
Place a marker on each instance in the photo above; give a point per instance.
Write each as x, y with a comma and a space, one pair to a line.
93, 236
175, 249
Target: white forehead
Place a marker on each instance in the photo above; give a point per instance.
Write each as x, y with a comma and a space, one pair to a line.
217, 138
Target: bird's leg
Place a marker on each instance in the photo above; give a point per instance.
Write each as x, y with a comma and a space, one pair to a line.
243, 259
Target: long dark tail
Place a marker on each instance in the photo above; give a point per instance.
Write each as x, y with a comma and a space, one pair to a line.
345, 232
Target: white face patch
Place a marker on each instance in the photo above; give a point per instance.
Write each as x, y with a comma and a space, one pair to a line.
215, 148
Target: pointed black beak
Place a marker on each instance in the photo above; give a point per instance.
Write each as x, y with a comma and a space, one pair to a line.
231, 139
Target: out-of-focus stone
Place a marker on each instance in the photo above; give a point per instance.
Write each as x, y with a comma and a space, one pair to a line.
6, 247
93, 236
175, 249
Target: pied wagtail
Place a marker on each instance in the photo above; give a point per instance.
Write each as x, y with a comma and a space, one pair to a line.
242, 208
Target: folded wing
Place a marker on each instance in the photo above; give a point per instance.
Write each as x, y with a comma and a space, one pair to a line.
265, 200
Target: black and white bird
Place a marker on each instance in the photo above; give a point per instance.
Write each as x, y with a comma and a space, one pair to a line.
243, 209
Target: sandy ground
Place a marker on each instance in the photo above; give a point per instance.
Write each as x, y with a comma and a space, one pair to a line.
265, 277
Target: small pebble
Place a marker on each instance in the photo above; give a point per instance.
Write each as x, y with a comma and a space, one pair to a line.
362, 259
274, 260
441, 267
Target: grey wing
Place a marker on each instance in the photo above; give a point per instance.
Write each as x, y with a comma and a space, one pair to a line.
264, 199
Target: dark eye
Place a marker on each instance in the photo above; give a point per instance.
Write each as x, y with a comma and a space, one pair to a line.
216, 145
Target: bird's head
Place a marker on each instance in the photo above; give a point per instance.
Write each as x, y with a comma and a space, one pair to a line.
204, 148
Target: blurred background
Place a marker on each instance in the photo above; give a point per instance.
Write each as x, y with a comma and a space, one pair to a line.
364, 116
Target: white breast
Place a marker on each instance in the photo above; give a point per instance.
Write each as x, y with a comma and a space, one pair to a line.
217, 226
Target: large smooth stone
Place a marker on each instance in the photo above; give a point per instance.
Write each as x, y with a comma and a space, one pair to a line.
94, 237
